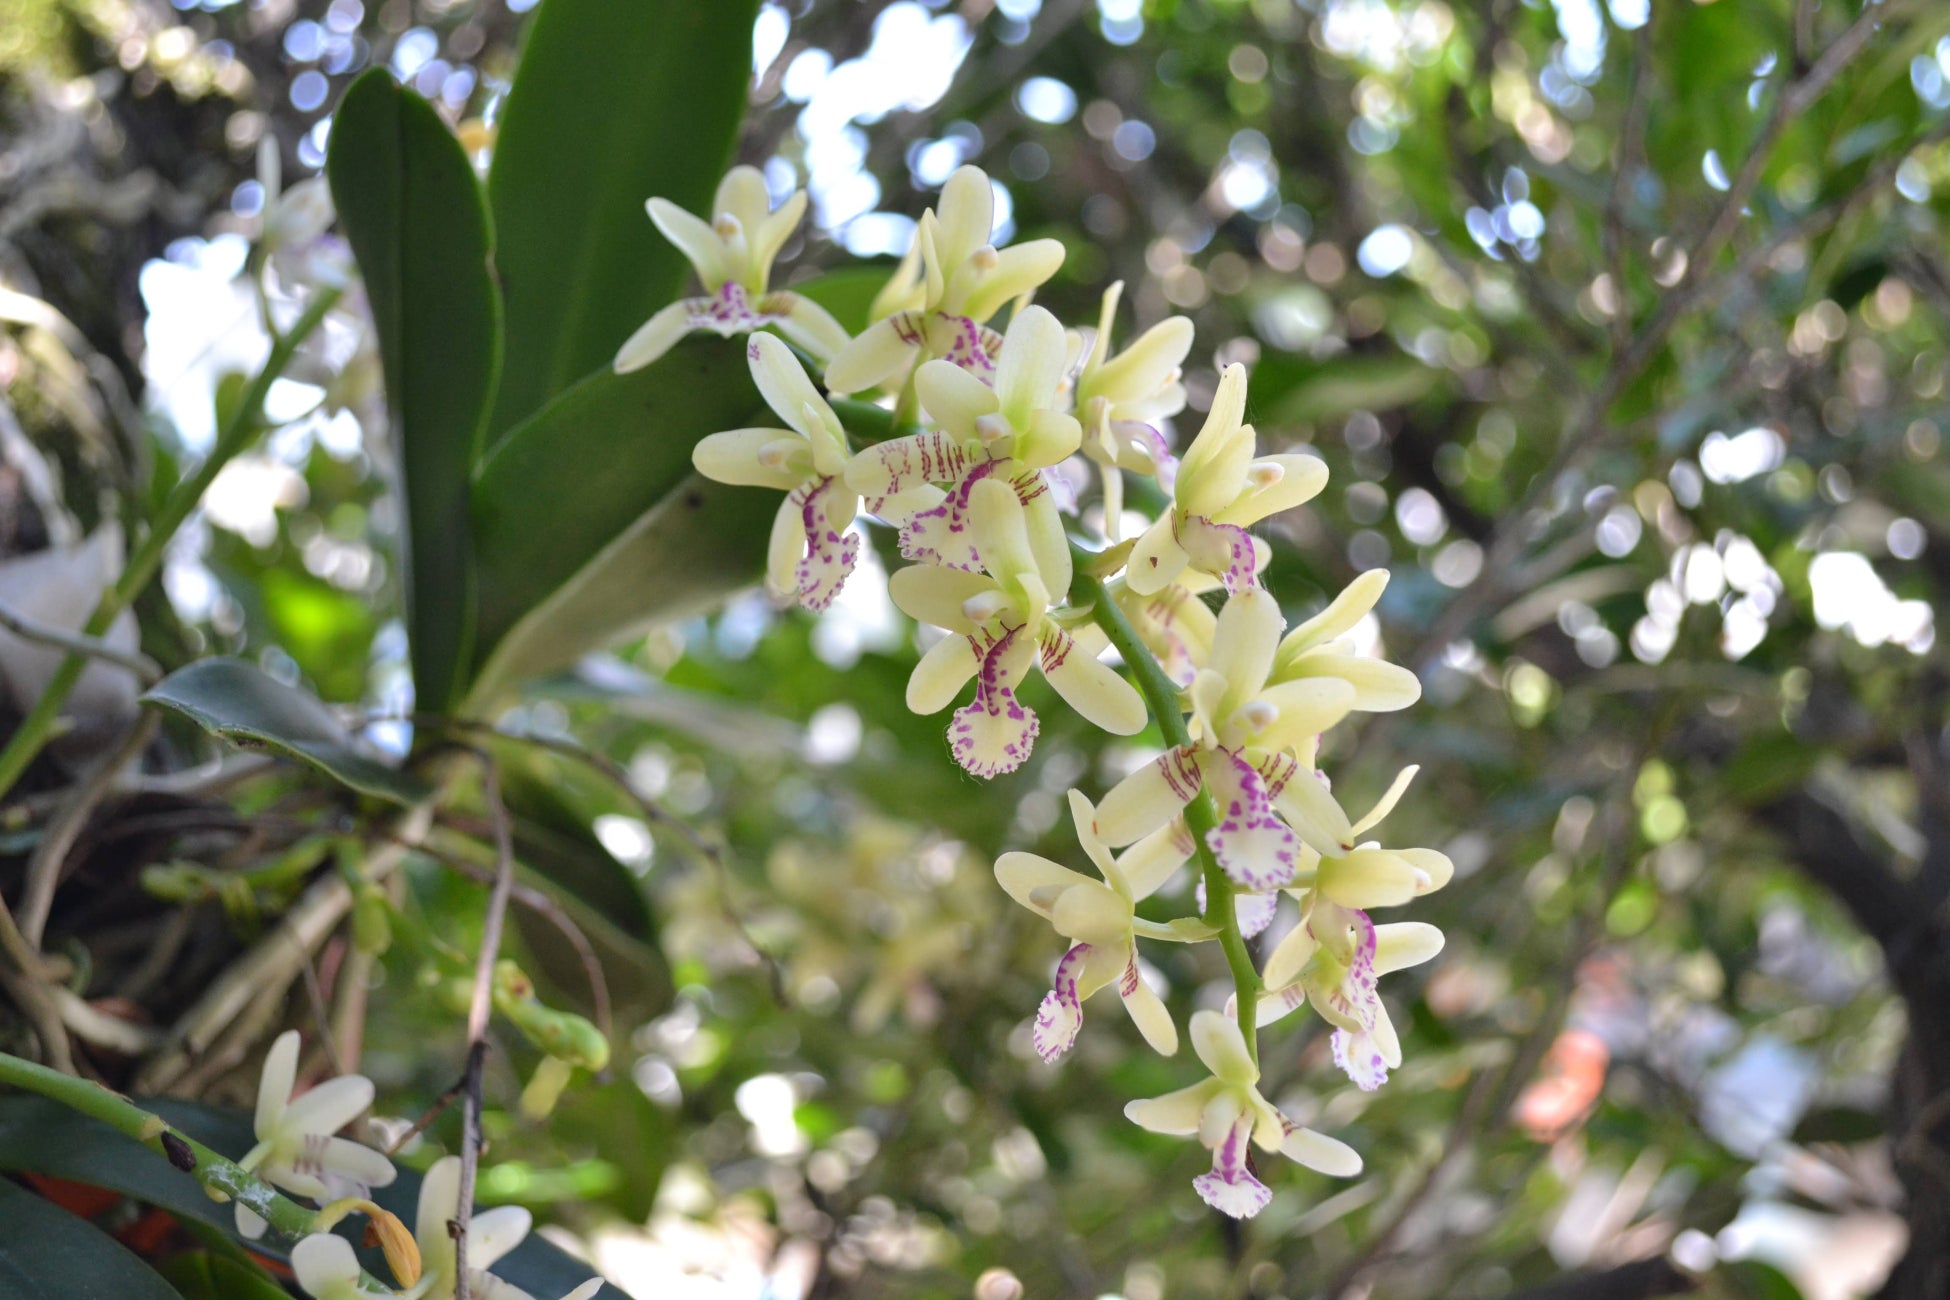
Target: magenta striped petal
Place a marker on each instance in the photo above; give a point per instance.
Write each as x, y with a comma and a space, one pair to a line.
995, 733
1223, 550
1357, 1001
1254, 846
1231, 1187
959, 340
943, 535
832, 548
1060, 1018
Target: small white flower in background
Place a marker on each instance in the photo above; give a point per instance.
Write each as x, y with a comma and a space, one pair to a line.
733, 254
295, 1148
941, 297
1001, 621
295, 224
1226, 1113
327, 1269
1119, 400
813, 547
1222, 488
1100, 918
491, 1234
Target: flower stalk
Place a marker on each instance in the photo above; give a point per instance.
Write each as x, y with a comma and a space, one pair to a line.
1161, 696
222, 1178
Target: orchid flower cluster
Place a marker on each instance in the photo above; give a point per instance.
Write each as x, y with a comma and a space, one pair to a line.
298, 1150
977, 415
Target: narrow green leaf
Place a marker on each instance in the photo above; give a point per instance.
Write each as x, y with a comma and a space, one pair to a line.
45, 1251
247, 706
612, 103
414, 214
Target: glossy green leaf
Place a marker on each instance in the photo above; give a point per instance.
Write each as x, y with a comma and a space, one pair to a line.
413, 211
45, 1251
48, 1138
583, 488
679, 560
206, 1275
612, 103
247, 706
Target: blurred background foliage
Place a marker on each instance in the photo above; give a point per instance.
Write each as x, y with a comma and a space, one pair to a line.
1623, 328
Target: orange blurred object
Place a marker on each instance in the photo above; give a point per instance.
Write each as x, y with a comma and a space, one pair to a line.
1567, 1086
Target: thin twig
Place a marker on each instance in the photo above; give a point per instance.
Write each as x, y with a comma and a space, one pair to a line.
50, 855
1586, 427
477, 1013
430, 1114
145, 669
1795, 99
538, 902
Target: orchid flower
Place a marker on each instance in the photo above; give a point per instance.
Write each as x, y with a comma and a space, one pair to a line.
962, 281
1000, 620
813, 548
491, 1234
1318, 648
1332, 960
1100, 918
1174, 624
327, 1269
295, 1148
1120, 398
1226, 1112
1241, 728
1012, 431
1371, 876
1221, 490
733, 254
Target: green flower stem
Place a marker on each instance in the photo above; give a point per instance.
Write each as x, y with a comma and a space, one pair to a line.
242, 422
224, 1179
1161, 694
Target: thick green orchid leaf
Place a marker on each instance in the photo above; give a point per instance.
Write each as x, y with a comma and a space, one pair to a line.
612, 103
45, 1251
590, 523
680, 559
413, 211
247, 706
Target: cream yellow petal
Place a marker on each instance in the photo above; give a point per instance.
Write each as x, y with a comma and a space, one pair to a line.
1220, 1045
695, 239
941, 673
1337, 620
1035, 882
953, 397
1018, 269
734, 457
654, 337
